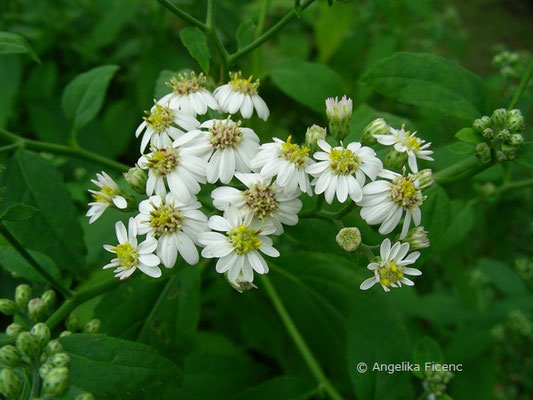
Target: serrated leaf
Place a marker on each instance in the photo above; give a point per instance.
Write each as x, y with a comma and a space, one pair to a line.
84, 95
469, 135
18, 212
245, 33
196, 42
11, 43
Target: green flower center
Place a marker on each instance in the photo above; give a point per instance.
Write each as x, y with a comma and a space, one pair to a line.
390, 274
261, 200
244, 86
127, 255
105, 195
187, 83
225, 134
405, 193
162, 161
160, 118
294, 153
244, 239
343, 161
165, 219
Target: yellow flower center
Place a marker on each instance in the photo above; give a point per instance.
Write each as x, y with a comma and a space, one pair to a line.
127, 255
261, 200
105, 195
187, 83
390, 274
244, 86
160, 118
405, 193
225, 134
343, 161
162, 161
294, 153
166, 219
412, 143
244, 239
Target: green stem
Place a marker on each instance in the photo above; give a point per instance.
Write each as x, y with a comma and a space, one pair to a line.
26, 390
298, 340
522, 87
261, 22
183, 15
210, 17
35, 265
9, 147
62, 149
454, 172
268, 34
36, 383
515, 185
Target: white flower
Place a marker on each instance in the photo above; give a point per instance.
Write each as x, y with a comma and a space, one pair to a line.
341, 171
262, 200
161, 124
108, 194
391, 269
189, 95
130, 255
385, 202
287, 161
238, 249
241, 95
174, 224
405, 141
177, 163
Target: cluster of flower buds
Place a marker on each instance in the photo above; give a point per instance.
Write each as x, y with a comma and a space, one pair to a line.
501, 133
35, 309
511, 64
73, 325
436, 383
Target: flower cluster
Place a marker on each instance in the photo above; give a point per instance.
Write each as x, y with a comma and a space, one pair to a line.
257, 185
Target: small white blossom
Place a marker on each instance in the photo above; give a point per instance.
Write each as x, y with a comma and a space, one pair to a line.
391, 268
109, 194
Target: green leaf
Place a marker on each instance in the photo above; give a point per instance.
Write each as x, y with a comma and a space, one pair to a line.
84, 95
525, 155
365, 114
462, 148
331, 28
245, 33
195, 41
436, 212
458, 227
55, 230
504, 278
308, 83
11, 43
18, 212
13, 262
426, 80
282, 387
469, 135
426, 350
112, 368
10, 78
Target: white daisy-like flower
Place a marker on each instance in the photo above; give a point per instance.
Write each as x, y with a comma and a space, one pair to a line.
342, 171
161, 125
287, 162
131, 255
174, 224
384, 202
189, 94
263, 200
391, 268
241, 95
178, 164
407, 142
238, 248
109, 194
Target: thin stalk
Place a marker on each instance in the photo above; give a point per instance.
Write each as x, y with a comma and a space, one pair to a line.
299, 341
36, 383
34, 264
9, 147
183, 15
261, 22
26, 390
210, 16
522, 86
368, 251
450, 174
515, 185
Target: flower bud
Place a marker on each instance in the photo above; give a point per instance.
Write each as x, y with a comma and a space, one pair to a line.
65, 333
515, 121
500, 156
93, 326
424, 178
60, 360
504, 135
240, 284
53, 347
509, 152
55, 383
339, 114
14, 329
10, 383
41, 332
45, 369
499, 117
72, 323
488, 133
28, 344
376, 127
136, 178
313, 135
481, 124
395, 160
10, 356
516, 139
7, 307
85, 396
483, 152
36, 309
417, 238
49, 299
349, 239
22, 295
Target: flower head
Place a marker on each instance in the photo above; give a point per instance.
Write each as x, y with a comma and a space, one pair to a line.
349, 239
339, 113
390, 269
109, 194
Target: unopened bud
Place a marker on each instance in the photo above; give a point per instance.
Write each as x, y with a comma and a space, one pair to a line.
488, 133
515, 121
240, 284
22, 295
424, 178
28, 344
85, 396
504, 135
45, 369
483, 152
93, 326
481, 124
516, 139
7, 307
499, 117
376, 127
10, 356
55, 383
14, 329
136, 178
36, 309
41, 332
72, 323
500, 156
49, 299
65, 333
10, 383
509, 151
395, 160
60, 360
339, 115
53, 347
313, 135
349, 239
417, 238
